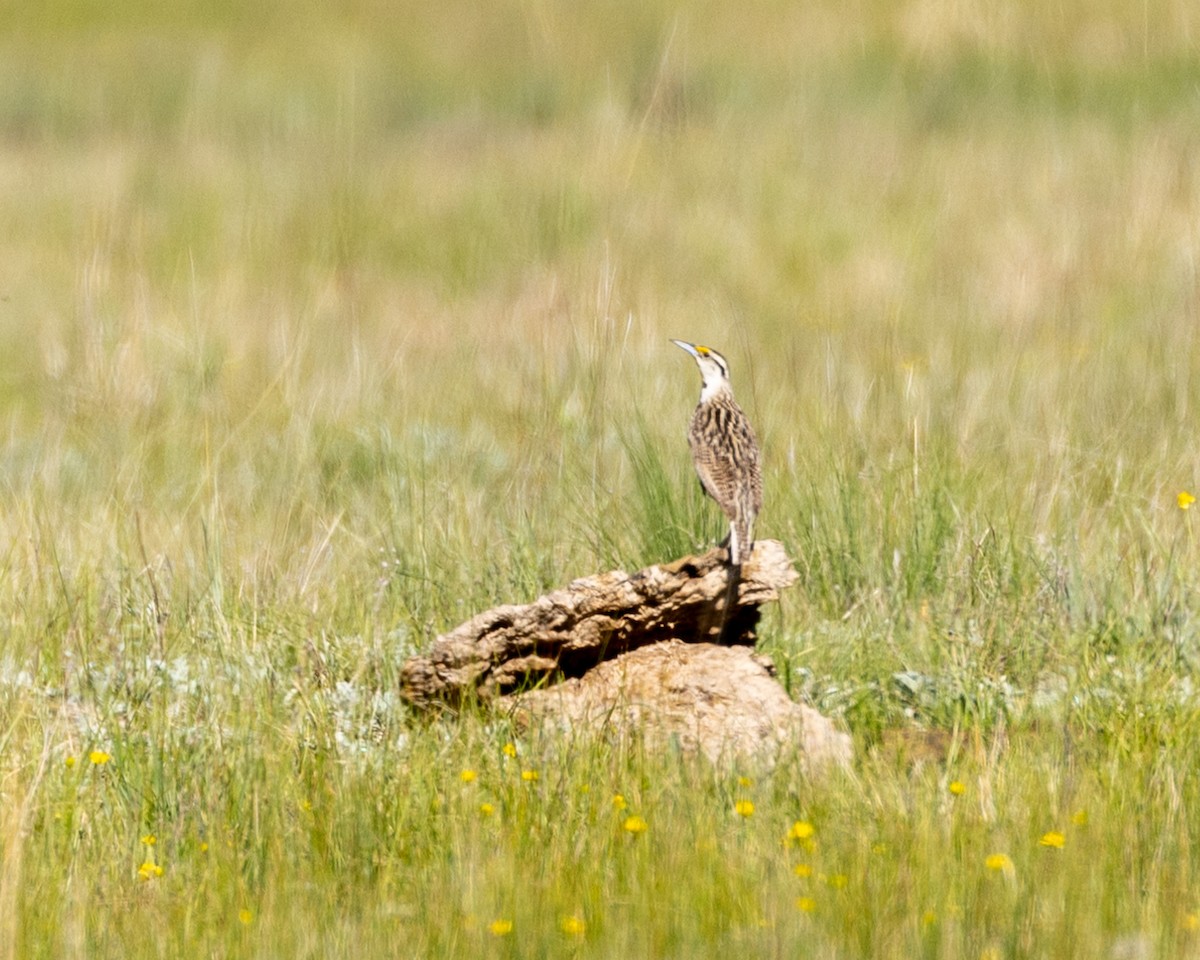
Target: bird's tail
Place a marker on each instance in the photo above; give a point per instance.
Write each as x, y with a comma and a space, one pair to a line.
741, 542
741, 538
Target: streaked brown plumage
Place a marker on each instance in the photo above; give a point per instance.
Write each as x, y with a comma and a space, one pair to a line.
724, 451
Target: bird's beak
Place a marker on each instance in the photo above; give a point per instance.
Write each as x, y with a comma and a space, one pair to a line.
690, 348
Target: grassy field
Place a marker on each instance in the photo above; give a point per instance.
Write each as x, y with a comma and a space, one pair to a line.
325, 325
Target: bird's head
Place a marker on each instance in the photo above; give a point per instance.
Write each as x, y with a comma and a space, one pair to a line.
714, 370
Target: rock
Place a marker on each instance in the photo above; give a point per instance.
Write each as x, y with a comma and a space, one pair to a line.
569, 631
721, 702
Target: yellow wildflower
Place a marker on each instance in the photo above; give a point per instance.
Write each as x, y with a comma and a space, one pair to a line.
149, 840
1185, 500
1190, 922
806, 904
802, 870
467, 776
149, 870
801, 830
486, 809
999, 862
838, 881
529, 776
635, 825
745, 782
500, 928
510, 749
245, 916
957, 787
619, 801
99, 757
1079, 818
1053, 839
928, 918
744, 808
573, 926
204, 846
70, 762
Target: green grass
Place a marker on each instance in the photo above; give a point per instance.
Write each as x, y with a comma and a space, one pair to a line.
325, 326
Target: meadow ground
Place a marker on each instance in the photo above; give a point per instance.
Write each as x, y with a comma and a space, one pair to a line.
324, 325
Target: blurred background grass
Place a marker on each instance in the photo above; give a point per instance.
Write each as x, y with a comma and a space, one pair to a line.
325, 325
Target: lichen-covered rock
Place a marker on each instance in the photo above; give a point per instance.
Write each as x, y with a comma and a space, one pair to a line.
721, 702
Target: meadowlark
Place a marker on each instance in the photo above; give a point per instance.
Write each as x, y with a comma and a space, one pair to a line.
725, 451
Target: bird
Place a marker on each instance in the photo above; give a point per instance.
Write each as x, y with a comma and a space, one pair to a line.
724, 451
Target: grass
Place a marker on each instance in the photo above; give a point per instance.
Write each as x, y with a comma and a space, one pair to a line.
324, 326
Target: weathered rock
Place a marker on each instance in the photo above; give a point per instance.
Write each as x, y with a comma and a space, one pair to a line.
721, 702
569, 631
